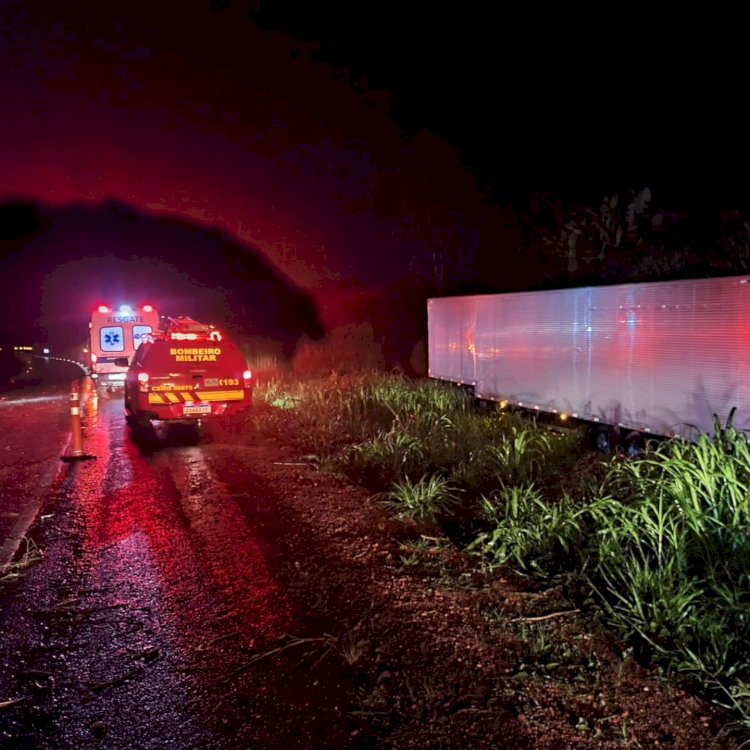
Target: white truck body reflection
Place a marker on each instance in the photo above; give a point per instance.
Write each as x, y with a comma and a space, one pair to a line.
660, 358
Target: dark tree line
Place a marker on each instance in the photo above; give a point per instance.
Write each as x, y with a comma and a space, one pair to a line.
555, 240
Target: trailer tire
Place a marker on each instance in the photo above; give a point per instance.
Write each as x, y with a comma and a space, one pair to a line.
634, 445
603, 439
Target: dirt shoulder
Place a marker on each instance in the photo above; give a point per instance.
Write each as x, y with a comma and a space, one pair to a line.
442, 654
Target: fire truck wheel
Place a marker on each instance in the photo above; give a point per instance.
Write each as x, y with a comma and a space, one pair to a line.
143, 432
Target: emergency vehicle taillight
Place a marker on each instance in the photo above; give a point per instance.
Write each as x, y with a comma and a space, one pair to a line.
93, 357
247, 375
143, 377
103, 309
148, 308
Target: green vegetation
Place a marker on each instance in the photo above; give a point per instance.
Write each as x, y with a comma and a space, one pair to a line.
425, 501
657, 548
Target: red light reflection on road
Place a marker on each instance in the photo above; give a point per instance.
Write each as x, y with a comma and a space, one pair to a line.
166, 529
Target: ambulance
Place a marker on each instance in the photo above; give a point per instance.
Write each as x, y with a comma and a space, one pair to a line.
185, 372
116, 333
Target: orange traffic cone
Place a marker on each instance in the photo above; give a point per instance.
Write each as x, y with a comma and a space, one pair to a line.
77, 453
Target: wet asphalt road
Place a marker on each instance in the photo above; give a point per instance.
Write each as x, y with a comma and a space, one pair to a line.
151, 618
34, 428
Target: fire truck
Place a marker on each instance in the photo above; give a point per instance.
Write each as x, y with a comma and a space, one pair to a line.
116, 332
183, 373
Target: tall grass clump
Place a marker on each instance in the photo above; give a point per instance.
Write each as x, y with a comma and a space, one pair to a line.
528, 519
535, 536
672, 562
323, 414
424, 501
413, 428
345, 350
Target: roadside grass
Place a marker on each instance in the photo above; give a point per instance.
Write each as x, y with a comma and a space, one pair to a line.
426, 500
658, 548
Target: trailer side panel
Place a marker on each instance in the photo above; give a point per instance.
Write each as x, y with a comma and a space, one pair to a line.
659, 357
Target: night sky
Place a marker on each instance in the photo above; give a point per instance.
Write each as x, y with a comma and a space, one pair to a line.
279, 167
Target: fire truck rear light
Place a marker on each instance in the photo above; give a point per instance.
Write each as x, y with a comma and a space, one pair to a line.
148, 308
247, 375
143, 377
183, 336
93, 357
103, 309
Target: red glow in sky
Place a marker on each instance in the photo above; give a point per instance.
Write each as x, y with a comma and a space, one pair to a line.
197, 114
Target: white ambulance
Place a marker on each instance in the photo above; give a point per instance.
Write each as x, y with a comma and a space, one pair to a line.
117, 332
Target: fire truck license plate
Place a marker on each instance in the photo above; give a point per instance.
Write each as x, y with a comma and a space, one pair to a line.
196, 409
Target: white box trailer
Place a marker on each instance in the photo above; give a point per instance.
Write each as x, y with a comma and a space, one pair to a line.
658, 358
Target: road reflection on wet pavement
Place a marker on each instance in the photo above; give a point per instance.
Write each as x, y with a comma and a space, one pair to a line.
155, 617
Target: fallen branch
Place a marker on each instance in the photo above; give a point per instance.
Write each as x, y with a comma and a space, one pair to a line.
294, 642
550, 616
223, 637
65, 603
12, 702
115, 682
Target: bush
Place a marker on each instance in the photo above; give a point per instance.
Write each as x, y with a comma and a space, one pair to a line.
347, 349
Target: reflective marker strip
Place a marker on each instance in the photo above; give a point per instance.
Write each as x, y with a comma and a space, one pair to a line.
177, 397
222, 395
74, 410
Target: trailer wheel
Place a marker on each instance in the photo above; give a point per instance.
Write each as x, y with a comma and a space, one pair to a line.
603, 439
635, 445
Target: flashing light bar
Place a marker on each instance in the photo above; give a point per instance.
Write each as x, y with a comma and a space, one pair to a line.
124, 309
